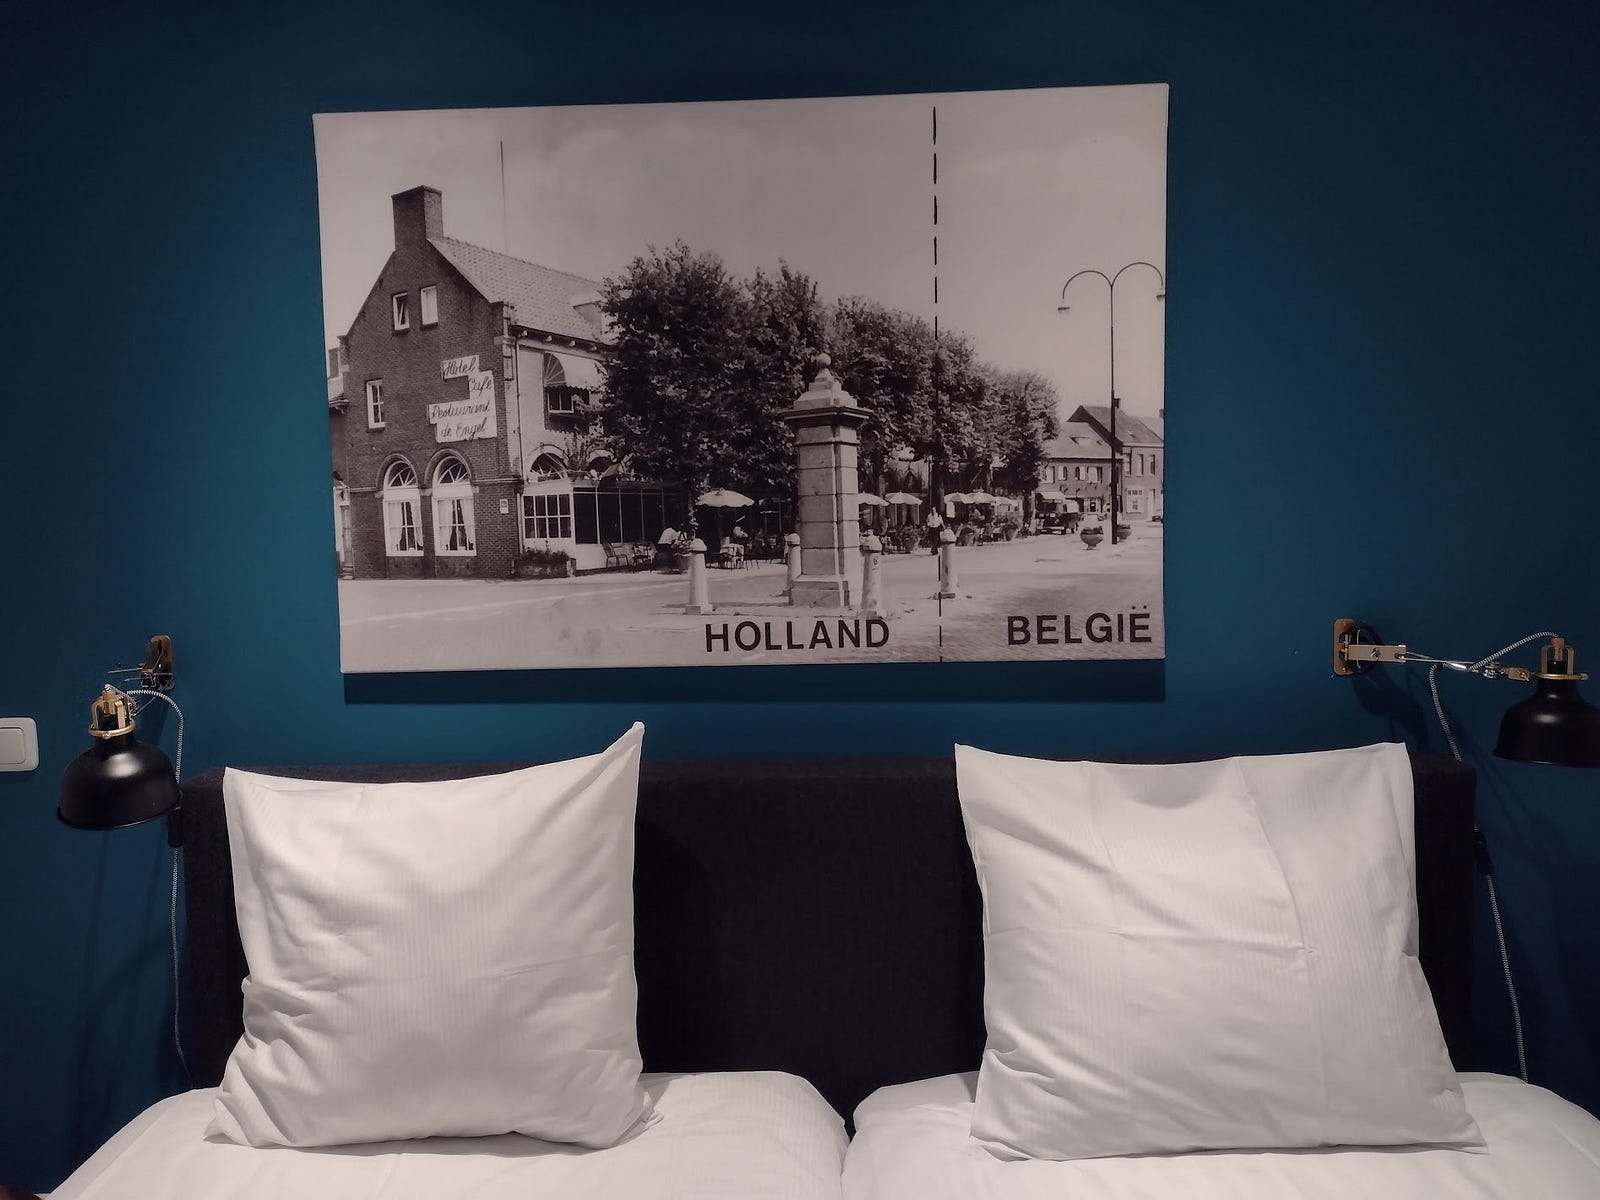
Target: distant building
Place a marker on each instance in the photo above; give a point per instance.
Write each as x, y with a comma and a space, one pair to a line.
460, 414
1074, 477
1143, 458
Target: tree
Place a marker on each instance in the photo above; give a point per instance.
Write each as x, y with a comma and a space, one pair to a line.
957, 431
678, 323
783, 331
1028, 418
884, 358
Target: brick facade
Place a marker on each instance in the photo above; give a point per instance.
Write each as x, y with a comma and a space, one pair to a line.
409, 364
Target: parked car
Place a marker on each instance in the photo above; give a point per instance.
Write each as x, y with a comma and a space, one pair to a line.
1059, 522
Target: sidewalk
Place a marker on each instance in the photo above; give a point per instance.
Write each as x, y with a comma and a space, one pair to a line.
1051, 586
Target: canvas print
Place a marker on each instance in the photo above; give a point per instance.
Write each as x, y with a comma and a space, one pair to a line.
859, 379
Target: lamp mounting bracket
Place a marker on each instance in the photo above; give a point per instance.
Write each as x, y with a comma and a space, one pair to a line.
1356, 648
156, 670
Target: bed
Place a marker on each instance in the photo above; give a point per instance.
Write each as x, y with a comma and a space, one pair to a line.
808, 947
911, 1141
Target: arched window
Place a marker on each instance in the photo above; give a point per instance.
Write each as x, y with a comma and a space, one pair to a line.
402, 501
547, 464
558, 397
453, 529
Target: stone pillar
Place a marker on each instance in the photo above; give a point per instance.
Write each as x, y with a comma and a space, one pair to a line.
699, 596
827, 423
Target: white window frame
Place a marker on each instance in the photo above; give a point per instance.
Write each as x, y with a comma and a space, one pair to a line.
400, 311
453, 515
401, 498
553, 523
428, 305
560, 399
375, 404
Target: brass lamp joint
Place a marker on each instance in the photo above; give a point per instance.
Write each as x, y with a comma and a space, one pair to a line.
111, 714
1557, 660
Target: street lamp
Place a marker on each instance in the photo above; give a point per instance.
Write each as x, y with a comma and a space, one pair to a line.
1111, 286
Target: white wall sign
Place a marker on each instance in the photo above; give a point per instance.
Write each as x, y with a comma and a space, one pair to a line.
458, 368
464, 420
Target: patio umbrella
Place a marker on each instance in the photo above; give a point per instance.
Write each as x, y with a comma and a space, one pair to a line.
724, 498
868, 500
982, 498
903, 498
957, 498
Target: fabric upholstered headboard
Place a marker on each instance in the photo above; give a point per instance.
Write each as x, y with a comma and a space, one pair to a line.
819, 917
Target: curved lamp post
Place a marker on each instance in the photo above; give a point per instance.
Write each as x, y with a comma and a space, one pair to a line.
1111, 286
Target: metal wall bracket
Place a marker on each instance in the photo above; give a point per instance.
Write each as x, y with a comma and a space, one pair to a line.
155, 672
1356, 648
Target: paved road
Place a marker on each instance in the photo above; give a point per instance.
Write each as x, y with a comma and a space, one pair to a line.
1048, 586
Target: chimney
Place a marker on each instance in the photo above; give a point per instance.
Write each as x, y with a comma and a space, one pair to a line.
418, 214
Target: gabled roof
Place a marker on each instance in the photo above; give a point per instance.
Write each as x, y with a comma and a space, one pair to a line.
1131, 431
542, 296
1077, 439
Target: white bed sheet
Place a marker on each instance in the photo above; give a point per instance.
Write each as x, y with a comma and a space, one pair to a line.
748, 1135
912, 1144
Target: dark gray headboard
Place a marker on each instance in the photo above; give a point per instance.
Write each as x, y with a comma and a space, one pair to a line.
815, 916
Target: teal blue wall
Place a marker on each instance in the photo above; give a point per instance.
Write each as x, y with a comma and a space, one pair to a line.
1385, 290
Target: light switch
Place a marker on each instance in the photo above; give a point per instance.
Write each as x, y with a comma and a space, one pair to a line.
19, 744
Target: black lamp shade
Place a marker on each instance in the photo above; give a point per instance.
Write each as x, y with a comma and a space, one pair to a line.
1555, 725
117, 782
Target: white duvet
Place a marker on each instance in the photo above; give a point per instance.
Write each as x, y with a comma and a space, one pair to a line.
733, 1136
912, 1144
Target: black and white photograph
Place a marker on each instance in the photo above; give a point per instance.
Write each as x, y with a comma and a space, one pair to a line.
858, 379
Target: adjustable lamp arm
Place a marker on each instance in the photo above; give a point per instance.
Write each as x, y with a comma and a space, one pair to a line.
1555, 725
1354, 656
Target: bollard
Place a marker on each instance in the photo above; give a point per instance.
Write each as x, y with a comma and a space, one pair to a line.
947, 565
792, 557
871, 585
699, 595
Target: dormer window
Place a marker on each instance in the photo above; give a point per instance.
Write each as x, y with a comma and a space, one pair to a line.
429, 299
400, 302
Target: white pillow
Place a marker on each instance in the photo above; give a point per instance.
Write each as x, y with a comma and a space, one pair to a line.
436, 959
1203, 956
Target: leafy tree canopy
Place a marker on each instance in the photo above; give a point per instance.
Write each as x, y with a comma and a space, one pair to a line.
703, 364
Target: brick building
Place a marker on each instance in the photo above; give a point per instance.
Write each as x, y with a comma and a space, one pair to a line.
1075, 471
1143, 459
462, 424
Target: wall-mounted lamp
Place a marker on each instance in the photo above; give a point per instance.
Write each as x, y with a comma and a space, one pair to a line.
120, 781
1555, 725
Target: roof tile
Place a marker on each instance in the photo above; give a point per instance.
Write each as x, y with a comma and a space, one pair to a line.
542, 296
